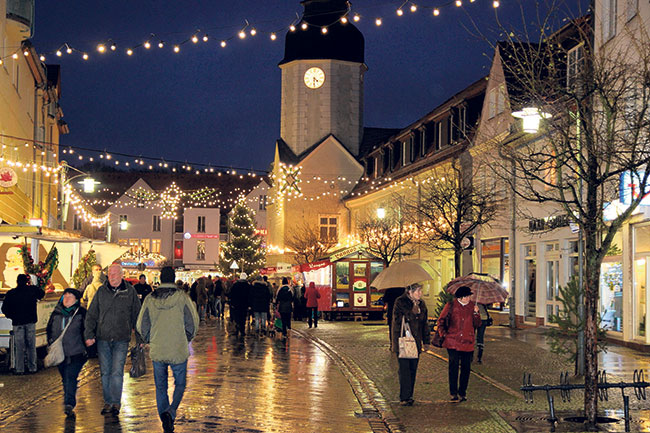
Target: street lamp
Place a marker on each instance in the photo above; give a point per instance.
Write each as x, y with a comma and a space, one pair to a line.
531, 117
124, 225
88, 184
381, 213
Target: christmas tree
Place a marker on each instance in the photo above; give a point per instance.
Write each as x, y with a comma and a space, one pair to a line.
244, 246
84, 270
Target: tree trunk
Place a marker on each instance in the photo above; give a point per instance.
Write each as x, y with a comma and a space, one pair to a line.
458, 254
591, 342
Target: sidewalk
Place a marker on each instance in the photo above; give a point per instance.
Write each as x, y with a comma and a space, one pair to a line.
494, 386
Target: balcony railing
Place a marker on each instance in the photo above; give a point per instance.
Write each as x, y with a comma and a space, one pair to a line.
22, 11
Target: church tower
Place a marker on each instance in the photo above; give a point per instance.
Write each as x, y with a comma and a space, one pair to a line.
322, 78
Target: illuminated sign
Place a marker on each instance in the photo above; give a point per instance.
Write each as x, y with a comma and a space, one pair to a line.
630, 187
200, 236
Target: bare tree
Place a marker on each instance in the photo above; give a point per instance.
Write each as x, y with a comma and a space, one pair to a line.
598, 133
308, 245
387, 236
452, 205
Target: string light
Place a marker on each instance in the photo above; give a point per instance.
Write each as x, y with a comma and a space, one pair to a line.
129, 52
205, 38
436, 12
414, 8
303, 26
176, 48
459, 3
223, 44
378, 22
42, 58
161, 44
400, 12
58, 53
292, 28
495, 4
195, 39
253, 32
242, 34
323, 30
273, 36
85, 56
344, 20
68, 50
113, 46
101, 48
356, 18
147, 45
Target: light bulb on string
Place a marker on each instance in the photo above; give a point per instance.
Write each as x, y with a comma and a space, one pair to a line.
161, 44
176, 48
436, 12
400, 12
85, 56
242, 34
414, 7
14, 56
253, 32
129, 52
356, 18
303, 26
378, 22
101, 48
495, 4
147, 45
205, 38
273, 36
58, 53
344, 20
195, 39
324, 30
113, 46
42, 58
68, 50
223, 44
459, 3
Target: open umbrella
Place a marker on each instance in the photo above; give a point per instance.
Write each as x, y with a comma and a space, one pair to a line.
485, 289
403, 274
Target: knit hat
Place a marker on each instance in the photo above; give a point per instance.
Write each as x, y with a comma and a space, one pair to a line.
463, 291
76, 293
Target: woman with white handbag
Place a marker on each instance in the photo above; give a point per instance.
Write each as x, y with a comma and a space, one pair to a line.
66, 348
410, 333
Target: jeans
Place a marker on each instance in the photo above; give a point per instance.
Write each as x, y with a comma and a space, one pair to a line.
25, 342
202, 309
218, 307
286, 322
312, 312
407, 370
260, 319
457, 357
112, 356
480, 333
160, 374
69, 372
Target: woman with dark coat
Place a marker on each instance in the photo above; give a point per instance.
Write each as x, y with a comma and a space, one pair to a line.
461, 317
284, 299
410, 307
73, 343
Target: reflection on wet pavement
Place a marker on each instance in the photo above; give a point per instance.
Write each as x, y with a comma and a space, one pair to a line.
260, 385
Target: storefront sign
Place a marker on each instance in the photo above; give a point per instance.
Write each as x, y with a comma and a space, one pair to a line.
149, 263
346, 252
268, 271
548, 223
630, 188
200, 236
8, 177
308, 267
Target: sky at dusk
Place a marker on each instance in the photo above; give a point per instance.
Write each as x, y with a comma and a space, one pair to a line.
222, 105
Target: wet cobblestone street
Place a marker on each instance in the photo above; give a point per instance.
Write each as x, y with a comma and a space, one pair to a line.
259, 385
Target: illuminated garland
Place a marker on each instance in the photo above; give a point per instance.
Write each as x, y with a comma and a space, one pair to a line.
199, 37
83, 210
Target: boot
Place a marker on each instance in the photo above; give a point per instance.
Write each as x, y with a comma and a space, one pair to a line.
479, 358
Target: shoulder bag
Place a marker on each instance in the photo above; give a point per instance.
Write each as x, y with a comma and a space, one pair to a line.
408, 348
489, 321
55, 353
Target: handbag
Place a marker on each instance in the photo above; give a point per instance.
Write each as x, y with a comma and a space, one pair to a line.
489, 321
438, 339
138, 365
408, 349
55, 353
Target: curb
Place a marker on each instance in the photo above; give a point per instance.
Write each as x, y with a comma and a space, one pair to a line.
374, 406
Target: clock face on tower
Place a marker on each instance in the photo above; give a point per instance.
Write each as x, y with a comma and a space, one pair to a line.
314, 78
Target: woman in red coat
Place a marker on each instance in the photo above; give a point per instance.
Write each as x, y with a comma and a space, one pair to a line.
458, 321
312, 296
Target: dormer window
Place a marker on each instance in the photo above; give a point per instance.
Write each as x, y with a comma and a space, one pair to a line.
496, 101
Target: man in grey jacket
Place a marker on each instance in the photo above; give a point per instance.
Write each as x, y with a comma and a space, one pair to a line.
110, 319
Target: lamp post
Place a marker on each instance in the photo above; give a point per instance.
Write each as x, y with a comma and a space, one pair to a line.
88, 187
531, 119
381, 214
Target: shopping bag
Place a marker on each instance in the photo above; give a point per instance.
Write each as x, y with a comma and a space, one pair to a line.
138, 365
408, 348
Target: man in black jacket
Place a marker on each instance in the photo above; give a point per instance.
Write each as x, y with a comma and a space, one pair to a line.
20, 306
259, 301
142, 288
239, 303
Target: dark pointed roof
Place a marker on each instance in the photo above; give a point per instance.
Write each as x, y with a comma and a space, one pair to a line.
342, 41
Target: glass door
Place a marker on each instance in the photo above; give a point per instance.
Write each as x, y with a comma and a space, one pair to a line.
530, 283
552, 280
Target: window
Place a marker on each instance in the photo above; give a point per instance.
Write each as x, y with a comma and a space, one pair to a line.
134, 244
328, 228
423, 140
405, 152
156, 223
124, 223
16, 75
443, 133
144, 245
200, 226
376, 163
575, 65
631, 9
415, 146
262, 202
200, 249
496, 101
370, 166
76, 223
396, 152
155, 245
608, 19
122, 242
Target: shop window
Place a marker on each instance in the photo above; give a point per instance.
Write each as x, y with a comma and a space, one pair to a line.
178, 250
328, 228
156, 223
200, 250
530, 282
144, 245
134, 244
155, 246
494, 259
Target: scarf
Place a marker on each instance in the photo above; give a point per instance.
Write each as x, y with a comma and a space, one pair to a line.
69, 311
416, 304
462, 303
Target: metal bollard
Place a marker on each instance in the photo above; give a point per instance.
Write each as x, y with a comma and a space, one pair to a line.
626, 412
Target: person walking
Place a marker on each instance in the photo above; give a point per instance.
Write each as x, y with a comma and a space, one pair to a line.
284, 299
218, 302
201, 298
458, 321
95, 271
298, 311
69, 315
486, 321
410, 312
168, 321
142, 288
259, 300
110, 320
312, 296
98, 279
19, 305
209, 287
239, 303
389, 300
